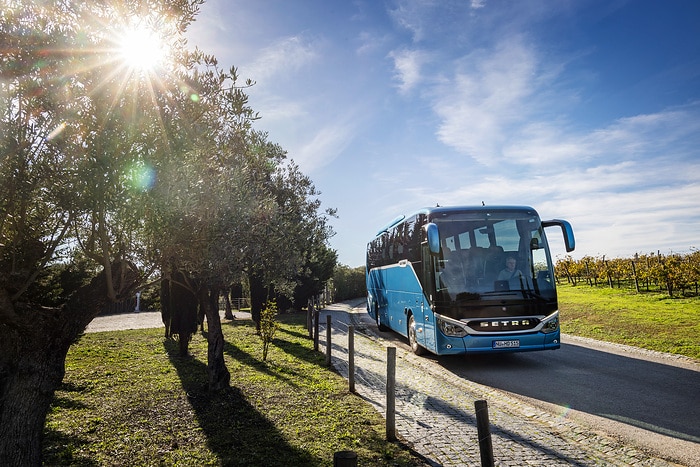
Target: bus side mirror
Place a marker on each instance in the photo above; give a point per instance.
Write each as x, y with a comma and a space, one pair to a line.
433, 238
567, 231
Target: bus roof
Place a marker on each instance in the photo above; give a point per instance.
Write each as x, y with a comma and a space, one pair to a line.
447, 209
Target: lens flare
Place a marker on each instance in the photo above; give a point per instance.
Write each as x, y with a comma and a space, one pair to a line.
564, 411
142, 177
56, 131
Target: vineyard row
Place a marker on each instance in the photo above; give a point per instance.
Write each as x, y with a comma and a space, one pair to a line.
675, 273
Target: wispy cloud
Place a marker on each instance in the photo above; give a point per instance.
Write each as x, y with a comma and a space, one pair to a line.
487, 95
325, 146
282, 58
408, 66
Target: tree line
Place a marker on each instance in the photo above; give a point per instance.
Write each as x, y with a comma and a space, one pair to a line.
113, 179
673, 273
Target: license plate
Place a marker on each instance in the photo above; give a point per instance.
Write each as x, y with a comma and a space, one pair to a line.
512, 344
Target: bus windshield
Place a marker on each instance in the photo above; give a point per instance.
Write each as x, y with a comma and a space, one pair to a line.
492, 254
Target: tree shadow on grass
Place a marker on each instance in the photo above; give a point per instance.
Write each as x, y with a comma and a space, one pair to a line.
297, 350
59, 448
236, 432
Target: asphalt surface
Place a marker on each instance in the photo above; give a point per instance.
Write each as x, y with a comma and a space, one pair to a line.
586, 404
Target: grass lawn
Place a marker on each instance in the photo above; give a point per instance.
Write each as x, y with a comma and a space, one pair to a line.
648, 320
128, 399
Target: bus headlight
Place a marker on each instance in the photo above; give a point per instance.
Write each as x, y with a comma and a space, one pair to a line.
551, 324
451, 329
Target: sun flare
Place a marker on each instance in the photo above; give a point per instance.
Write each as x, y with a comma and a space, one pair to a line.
141, 49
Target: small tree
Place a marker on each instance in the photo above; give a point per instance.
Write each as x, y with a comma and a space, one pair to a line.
268, 325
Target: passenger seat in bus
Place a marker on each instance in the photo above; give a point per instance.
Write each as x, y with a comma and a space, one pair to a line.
493, 263
474, 263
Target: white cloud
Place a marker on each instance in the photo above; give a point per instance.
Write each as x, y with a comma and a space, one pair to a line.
282, 58
487, 96
621, 224
643, 134
325, 146
408, 65
669, 133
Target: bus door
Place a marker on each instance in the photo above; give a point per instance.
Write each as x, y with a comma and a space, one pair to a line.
425, 324
423, 314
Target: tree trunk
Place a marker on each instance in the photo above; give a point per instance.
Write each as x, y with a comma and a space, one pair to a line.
28, 380
228, 314
35, 342
219, 376
258, 296
179, 308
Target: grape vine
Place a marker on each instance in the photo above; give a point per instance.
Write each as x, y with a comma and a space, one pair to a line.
674, 273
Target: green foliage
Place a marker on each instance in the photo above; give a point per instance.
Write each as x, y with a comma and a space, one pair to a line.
318, 271
131, 167
57, 282
127, 395
268, 325
141, 166
349, 282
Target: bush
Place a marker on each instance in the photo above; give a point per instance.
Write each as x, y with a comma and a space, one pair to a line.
268, 325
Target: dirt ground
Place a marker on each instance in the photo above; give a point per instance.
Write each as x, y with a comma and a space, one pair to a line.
138, 320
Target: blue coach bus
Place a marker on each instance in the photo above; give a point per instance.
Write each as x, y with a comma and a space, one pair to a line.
466, 279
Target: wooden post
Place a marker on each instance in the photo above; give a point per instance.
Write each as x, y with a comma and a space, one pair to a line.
634, 274
351, 358
345, 459
484, 433
316, 329
391, 393
328, 340
310, 318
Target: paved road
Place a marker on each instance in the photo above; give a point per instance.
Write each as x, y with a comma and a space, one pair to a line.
645, 397
574, 406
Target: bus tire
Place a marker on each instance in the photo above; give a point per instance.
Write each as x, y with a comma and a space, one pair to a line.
412, 338
380, 326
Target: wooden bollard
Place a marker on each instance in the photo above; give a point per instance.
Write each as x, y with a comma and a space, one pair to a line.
351, 358
345, 459
484, 433
391, 393
328, 340
310, 319
316, 329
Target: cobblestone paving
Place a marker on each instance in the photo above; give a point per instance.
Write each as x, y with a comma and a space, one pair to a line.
435, 410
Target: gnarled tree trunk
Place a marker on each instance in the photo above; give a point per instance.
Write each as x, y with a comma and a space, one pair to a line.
33, 348
219, 376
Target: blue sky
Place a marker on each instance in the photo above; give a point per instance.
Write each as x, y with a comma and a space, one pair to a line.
586, 110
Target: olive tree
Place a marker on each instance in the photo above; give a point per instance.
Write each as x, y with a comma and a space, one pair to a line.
202, 201
75, 125
287, 228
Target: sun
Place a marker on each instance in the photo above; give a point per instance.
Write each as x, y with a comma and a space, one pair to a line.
141, 48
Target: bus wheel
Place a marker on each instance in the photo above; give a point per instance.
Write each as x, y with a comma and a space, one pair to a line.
412, 340
380, 326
